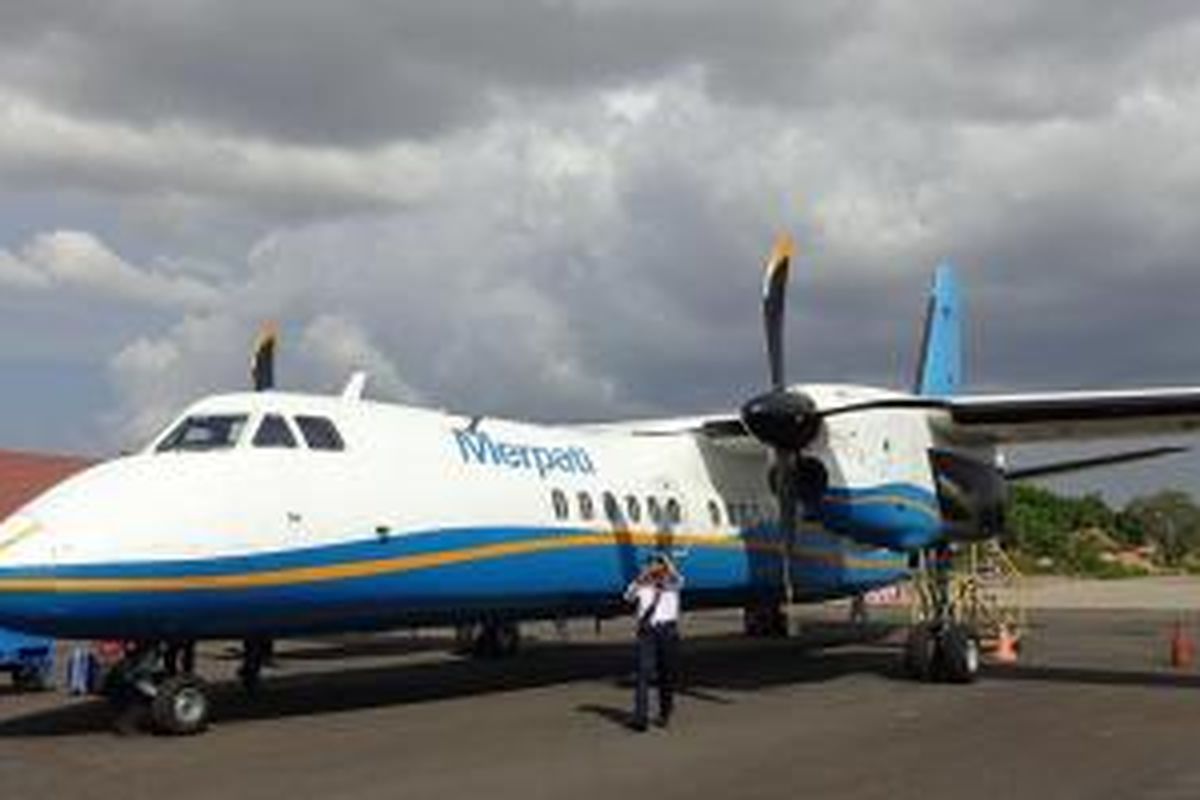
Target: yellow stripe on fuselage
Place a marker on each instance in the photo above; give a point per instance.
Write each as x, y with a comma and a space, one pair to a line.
416, 561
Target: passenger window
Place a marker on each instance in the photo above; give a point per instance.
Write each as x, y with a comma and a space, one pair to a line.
714, 513
634, 508
674, 511
320, 433
654, 510
205, 432
612, 509
273, 431
559, 500
586, 509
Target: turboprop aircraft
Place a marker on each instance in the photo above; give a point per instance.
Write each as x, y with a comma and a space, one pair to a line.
267, 514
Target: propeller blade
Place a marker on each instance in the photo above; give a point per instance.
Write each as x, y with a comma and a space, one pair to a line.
262, 363
774, 290
789, 512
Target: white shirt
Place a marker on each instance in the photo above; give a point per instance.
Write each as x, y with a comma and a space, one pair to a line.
667, 607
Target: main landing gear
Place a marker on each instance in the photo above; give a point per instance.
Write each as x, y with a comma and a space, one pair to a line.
940, 646
148, 686
256, 654
765, 620
488, 639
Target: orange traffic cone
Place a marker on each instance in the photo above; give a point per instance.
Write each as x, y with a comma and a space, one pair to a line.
1006, 647
1183, 649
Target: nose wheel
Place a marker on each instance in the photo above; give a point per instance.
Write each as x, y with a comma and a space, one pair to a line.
181, 706
146, 690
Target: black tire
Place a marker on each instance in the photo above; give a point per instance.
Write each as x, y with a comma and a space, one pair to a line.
487, 642
496, 640
508, 639
464, 638
920, 653
181, 707
250, 677
765, 622
958, 655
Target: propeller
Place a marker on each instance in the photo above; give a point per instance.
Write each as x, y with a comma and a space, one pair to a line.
262, 363
783, 419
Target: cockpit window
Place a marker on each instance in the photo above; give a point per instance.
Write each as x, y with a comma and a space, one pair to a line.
273, 431
205, 432
320, 433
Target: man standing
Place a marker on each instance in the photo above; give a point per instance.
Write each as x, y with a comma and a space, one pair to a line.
656, 592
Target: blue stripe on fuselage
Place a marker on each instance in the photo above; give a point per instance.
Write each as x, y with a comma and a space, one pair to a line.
521, 583
898, 516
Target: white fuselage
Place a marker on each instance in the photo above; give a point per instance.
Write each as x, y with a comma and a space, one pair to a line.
425, 514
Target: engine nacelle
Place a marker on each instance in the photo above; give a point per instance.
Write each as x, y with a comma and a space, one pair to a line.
972, 494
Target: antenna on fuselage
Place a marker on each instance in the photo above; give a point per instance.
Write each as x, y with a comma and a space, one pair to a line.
262, 363
355, 386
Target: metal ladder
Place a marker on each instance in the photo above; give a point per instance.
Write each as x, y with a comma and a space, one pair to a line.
987, 589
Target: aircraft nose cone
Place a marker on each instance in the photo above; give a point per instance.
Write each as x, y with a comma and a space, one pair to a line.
27, 570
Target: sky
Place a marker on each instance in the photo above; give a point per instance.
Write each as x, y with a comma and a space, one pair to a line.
558, 209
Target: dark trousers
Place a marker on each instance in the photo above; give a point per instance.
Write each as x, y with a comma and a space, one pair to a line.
657, 657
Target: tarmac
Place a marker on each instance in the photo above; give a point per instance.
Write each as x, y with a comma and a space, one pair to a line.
1093, 710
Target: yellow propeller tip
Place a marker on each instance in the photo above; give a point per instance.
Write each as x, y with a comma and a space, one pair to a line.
785, 247
269, 330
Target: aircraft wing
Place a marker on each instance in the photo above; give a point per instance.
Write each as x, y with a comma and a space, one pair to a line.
989, 419
1039, 417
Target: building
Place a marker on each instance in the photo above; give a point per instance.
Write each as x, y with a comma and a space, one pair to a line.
25, 475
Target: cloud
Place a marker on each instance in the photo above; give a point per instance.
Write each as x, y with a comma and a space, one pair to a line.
338, 346
185, 166
16, 273
78, 261
559, 210
370, 73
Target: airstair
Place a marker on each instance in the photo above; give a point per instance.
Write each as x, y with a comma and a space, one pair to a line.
987, 590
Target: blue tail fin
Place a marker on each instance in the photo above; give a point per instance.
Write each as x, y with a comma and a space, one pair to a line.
939, 372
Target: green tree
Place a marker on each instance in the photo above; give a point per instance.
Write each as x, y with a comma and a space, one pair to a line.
1168, 519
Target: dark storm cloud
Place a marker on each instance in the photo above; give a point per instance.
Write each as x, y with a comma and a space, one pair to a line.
370, 72
579, 231
363, 73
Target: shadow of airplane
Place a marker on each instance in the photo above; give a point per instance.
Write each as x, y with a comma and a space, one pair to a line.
714, 668
1091, 676
712, 665
336, 649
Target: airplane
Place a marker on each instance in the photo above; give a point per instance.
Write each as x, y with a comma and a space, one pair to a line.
267, 514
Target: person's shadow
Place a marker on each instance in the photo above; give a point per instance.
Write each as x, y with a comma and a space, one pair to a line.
618, 716
624, 717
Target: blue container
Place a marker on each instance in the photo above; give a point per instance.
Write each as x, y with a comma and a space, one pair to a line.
28, 659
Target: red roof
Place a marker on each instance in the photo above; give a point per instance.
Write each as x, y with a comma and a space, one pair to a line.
23, 476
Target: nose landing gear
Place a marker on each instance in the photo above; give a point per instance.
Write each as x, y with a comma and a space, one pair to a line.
146, 689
